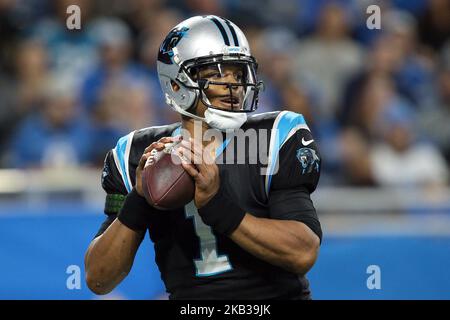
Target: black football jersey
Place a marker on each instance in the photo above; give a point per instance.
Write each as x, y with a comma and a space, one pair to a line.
194, 261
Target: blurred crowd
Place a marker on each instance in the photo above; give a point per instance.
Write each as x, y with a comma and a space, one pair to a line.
378, 101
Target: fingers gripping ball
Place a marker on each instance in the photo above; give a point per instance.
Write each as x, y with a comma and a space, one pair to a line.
165, 183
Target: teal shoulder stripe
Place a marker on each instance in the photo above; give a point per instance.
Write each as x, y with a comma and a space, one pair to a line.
176, 132
122, 151
285, 124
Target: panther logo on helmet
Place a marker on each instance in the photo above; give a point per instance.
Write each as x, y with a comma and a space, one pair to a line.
172, 39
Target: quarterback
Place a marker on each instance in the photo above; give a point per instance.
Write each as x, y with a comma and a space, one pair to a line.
246, 234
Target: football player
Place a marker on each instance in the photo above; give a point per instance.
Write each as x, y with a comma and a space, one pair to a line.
249, 233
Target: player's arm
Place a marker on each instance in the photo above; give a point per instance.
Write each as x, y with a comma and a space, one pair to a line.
110, 255
286, 243
290, 238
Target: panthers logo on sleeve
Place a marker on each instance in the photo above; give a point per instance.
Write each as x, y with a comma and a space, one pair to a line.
308, 159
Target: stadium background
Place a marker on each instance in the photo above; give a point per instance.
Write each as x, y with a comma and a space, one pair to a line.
378, 102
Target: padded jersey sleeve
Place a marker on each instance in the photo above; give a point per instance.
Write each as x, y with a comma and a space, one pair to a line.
115, 189
295, 177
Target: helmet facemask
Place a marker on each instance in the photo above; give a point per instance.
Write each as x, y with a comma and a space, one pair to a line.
225, 83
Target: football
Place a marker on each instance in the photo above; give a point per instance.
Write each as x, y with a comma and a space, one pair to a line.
165, 183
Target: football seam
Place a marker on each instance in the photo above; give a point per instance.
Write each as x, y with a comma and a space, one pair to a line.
171, 187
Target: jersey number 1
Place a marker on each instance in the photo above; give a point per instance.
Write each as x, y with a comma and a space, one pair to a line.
210, 263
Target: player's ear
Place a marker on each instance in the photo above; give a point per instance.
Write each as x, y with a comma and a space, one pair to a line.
175, 86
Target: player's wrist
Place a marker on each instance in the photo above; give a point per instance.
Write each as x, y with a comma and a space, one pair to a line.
205, 200
221, 214
134, 212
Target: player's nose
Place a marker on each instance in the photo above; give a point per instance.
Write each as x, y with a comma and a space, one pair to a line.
230, 79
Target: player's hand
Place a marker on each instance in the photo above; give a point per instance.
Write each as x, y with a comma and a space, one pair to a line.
155, 146
202, 168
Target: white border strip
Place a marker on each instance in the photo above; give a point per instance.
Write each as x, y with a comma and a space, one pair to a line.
127, 157
273, 138
125, 175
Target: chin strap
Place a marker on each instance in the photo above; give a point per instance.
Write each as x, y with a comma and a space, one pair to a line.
180, 110
216, 119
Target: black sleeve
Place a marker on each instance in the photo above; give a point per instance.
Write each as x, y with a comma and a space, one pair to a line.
115, 189
297, 177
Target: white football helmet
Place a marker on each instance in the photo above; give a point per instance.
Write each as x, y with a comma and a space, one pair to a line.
208, 42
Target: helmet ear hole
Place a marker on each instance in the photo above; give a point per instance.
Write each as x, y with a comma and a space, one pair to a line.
175, 86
